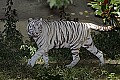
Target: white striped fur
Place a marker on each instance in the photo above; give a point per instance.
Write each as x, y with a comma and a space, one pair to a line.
61, 34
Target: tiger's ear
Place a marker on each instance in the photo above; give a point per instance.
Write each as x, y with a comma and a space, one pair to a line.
39, 19
30, 19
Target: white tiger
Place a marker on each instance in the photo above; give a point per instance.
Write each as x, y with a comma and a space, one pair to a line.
60, 34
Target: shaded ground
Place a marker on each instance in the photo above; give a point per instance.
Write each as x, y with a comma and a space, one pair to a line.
33, 8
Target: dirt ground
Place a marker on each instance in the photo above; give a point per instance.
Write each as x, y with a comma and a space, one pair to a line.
39, 8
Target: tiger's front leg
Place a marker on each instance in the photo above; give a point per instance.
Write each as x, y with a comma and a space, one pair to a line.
46, 59
76, 58
35, 57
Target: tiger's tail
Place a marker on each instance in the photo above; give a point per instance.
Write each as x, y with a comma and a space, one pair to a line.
99, 28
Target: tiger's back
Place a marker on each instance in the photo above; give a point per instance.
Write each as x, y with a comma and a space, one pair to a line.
59, 34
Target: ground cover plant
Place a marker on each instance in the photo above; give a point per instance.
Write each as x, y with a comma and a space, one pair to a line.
80, 72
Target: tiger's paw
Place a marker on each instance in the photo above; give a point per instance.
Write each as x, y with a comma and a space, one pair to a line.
69, 66
101, 64
29, 63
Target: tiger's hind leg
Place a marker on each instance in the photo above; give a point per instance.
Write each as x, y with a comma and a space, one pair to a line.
76, 58
89, 45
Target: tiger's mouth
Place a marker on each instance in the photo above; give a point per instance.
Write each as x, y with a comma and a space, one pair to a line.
33, 34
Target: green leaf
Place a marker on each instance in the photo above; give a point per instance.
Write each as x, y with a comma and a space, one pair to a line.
59, 3
52, 3
71, 1
96, 6
98, 12
117, 13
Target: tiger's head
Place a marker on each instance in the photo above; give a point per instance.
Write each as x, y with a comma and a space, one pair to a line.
34, 27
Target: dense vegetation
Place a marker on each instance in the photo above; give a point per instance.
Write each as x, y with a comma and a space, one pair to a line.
109, 10
11, 39
14, 54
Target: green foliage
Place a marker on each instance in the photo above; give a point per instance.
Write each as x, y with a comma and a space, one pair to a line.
109, 43
60, 55
19, 72
104, 8
112, 76
32, 49
59, 73
11, 38
59, 3
109, 10
28, 49
109, 76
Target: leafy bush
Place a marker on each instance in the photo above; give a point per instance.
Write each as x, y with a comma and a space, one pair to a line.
109, 10
11, 39
28, 49
109, 43
59, 73
59, 3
